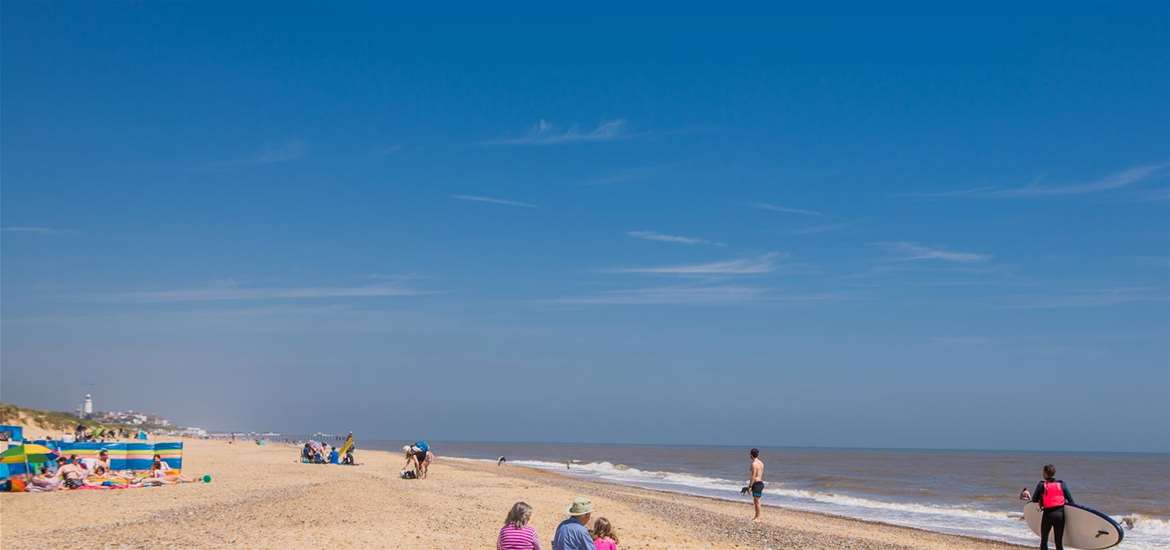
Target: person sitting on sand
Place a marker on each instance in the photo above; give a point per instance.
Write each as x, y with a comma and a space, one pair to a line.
101, 466
72, 473
516, 534
572, 534
159, 467
604, 537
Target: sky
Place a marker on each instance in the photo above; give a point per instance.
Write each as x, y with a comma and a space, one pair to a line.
931, 230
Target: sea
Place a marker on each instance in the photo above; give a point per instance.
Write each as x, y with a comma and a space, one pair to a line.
971, 493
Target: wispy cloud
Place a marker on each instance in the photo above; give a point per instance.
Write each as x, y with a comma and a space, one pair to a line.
221, 294
628, 175
709, 295
615, 178
743, 266
545, 133
271, 153
663, 237
822, 228
784, 209
1101, 297
693, 295
493, 200
908, 252
961, 340
36, 229
1159, 194
1114, 181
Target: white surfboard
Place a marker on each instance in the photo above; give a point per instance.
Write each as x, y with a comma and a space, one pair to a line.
1084, 528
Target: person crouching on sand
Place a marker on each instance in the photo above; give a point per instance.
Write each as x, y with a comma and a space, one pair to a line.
572, 534
516, 534
604, 537
413, 462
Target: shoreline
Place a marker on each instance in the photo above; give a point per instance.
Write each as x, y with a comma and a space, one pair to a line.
743, 506
785, 509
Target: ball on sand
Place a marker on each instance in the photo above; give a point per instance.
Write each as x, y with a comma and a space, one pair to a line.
206, 478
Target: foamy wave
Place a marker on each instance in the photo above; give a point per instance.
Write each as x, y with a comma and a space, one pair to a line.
623, 473
1137, 523
611, 472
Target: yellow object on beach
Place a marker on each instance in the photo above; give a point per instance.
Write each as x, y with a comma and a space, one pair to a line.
346, 446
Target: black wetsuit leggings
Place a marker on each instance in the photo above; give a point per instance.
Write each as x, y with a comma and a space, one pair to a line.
1052, 520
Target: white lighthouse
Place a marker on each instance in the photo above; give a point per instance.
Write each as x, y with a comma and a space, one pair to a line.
87, 409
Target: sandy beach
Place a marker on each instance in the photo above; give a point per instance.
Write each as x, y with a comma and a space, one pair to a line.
261, 497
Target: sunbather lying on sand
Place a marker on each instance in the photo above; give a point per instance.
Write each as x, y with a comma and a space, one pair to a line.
43, 483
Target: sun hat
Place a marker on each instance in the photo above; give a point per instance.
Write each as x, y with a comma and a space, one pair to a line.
580, 507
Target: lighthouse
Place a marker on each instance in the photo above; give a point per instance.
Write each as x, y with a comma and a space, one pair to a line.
87, 409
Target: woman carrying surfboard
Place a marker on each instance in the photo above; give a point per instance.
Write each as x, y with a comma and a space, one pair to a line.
1052, 494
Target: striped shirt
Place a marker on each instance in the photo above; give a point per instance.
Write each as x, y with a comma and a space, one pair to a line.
512, 538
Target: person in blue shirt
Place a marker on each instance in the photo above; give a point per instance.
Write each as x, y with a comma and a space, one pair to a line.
572, 534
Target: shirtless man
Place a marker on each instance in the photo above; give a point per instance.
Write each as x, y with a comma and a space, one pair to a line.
71, 473
756, 480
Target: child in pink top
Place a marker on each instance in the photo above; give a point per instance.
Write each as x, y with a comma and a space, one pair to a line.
603, 536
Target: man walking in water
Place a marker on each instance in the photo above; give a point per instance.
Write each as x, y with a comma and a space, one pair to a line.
756, 481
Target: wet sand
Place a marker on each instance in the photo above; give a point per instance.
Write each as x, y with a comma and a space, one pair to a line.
261, 497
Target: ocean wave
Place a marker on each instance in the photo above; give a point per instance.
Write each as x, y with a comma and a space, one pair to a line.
620, 473
1137, 523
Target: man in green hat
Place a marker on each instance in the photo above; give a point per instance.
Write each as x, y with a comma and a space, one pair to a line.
572, 534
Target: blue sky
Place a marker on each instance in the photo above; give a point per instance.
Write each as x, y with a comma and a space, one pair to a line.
942, 230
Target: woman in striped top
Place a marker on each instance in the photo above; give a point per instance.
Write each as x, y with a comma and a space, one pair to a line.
516, 534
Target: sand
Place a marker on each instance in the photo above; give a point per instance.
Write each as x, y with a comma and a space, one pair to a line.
261, 497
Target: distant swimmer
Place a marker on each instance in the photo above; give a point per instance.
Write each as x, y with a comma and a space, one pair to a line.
755, 481
500, 461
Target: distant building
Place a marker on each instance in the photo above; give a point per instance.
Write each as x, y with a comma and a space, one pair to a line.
193, 432
87, 408
133, 418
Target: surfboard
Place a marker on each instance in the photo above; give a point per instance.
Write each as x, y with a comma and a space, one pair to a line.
1084, 528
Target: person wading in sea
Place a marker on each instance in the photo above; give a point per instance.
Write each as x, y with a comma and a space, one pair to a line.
755, 481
